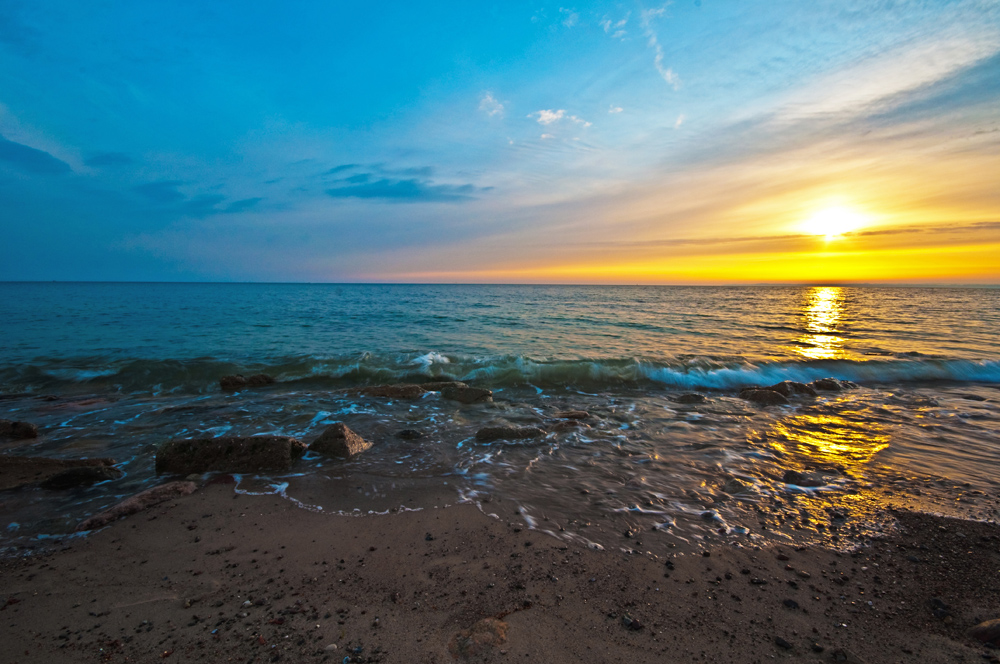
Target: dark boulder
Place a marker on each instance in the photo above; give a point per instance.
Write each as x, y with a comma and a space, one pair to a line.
260, 380
467, 394
808, 480
691, 397
987, 632
789, 387
486, 434
339, 441
229, 454
81, 476
409, 434
393, 391
830, 384
139, 502
763, 397
17, 430
17, 471
239, 381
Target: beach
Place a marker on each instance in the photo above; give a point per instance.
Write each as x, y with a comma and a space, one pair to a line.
218, 576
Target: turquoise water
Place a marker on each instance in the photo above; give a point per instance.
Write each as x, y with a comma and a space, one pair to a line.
117, 369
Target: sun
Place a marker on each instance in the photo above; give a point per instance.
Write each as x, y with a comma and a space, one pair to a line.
833, 222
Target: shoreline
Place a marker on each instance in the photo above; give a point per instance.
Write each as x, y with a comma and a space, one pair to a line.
281, 583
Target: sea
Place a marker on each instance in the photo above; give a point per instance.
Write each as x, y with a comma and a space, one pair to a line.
117, 369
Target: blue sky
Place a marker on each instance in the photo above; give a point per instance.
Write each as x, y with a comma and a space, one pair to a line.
465, 142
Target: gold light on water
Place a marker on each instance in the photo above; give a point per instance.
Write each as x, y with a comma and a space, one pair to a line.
845, 440
823, 311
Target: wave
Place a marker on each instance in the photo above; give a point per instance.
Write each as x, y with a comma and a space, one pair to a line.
201, 375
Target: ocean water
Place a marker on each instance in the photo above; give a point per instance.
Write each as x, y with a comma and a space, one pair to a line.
117, 369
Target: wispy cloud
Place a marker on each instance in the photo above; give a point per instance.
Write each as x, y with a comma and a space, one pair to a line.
489, 105
680, 121
548, 116
616, 29
393, 185
571, 17
30, 159
615, 109
666, 73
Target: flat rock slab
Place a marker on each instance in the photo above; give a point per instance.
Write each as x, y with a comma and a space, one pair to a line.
987, 632
487, 434
467, 394
691, 397
393, 391
229, 454
338, 440
139, 502
17, 430
572, 415
81, 476
17, 471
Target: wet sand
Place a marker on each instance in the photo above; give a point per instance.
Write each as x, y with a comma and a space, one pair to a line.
221, 577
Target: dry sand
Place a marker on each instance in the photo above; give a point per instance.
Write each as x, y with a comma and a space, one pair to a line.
215, 578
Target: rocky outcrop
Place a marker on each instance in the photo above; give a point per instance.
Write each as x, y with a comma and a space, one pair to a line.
339, 441
831, 384
467, 394
16, 471
17, 430
690, 397
487, 434
763, 397
139, 502
81, 476
789, 388
239, 381
229, 454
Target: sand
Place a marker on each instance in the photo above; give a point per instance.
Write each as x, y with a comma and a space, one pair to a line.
220, 577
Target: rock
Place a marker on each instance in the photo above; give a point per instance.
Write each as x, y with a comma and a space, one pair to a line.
479, 640
409, 434
486, 434
940, 609
827, 384
734, 486
339, 441
228, 454
569, 425
791, 604
987, 632
807, 480
691, 397
763, 397
441, 384
17, 430
572, 415
234, 382
393, 391
139, 502
16, 471
631, 623
259, 380
81, 476
842, 655
789, 387
781, 643
467, 394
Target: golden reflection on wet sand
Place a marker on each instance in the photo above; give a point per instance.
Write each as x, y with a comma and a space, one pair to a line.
845, 441
823, 311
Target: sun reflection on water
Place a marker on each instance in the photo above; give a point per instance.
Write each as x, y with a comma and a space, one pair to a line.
844, 440
823, 312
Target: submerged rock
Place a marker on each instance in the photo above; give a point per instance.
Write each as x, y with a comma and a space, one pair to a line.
486, 434
807, 480
572, 415
229, 454
409, 434
691, 397
763, 397
16, 471
239, 381
987, 632
405, 391
139, 502
734, 486
17, 430
789, 387
570, 425
830, 384
467, 394
81, 476
339, 441
439, 385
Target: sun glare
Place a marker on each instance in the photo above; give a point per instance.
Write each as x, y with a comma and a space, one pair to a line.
833, 222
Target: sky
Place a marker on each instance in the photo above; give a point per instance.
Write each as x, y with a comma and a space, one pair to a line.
697, 141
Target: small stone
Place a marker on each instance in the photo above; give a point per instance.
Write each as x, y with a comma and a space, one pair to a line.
631, 623
409, 434
331, 647
572, 415
791, 604
338, 440
781, 643
817, 647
